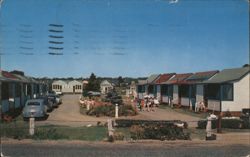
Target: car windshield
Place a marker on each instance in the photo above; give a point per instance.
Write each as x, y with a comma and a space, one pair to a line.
33, 104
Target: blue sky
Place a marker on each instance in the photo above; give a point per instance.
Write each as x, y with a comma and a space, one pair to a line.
124, 37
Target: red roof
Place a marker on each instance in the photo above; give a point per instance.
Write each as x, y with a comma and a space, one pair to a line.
164, 78
179, 79
9, 75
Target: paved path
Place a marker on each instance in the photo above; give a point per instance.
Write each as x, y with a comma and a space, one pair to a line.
68, 113
124, 149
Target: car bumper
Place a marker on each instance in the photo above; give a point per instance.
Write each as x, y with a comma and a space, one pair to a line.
33, 114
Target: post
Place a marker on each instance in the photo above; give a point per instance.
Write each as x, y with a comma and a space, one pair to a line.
32, 126
87, 105
219, 130
209, 135
110, 128
116, 111
209, 127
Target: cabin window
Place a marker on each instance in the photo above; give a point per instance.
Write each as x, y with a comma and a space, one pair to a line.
170, 90
184, 90
17, 90
164, 90
11, 90
151, 89
212, 91
141, 89
193, 91
227, 92
5, 91
37, 89
29, 89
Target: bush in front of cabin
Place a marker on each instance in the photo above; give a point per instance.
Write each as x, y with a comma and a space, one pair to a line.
246, 121
131, 122
158, 132
109, 110
225, 123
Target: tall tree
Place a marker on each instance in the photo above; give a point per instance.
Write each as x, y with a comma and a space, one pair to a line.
93, 83
120, 80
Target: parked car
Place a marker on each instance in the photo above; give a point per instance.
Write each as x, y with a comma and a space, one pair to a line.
58, 100
92, 93
35, 108
48, 103
58, 93
52, 99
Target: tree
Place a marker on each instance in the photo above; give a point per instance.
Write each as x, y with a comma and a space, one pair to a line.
93, 83
120, 80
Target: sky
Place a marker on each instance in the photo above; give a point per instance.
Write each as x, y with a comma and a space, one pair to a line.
129, 38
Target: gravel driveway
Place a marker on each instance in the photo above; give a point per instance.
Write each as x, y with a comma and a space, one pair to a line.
68, 113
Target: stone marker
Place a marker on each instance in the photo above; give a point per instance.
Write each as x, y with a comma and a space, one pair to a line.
110, 128
32, 126
116, 111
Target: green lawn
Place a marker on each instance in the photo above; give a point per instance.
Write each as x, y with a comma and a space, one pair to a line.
20, 130
94, 133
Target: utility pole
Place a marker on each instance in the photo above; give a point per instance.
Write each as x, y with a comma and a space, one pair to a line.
1, 148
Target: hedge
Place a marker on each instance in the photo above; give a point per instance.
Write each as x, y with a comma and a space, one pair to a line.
131, 122
169, 131
225, 123
246, 121
109, 110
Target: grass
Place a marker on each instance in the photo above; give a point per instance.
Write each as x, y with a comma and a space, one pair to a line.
196, 133
125, 132
20, 130
94, 133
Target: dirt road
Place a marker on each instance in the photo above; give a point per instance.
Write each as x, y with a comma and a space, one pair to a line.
68, 113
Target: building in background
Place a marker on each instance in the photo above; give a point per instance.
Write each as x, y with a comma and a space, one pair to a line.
106, 87
69, 87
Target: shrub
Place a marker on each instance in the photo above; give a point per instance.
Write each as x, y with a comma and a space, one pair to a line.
109, 110
246, 121
203, 123
158, 131
119, 136
225, 123
136, 132
232, 123
111, 138
131, 122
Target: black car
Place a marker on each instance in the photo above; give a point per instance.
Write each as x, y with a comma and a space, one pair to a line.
47, 102
52, 99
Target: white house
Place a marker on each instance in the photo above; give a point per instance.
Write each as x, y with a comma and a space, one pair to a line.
58, 86
106, 86
228, 91
71, 87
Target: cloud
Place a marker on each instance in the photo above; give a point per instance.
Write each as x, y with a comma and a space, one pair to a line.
118, 54
173, 1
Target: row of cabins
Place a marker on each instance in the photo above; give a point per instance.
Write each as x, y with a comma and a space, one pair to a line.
221, 91
16, 89
69, 87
